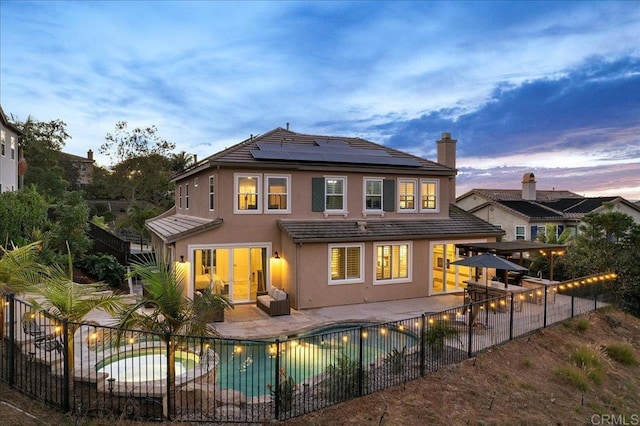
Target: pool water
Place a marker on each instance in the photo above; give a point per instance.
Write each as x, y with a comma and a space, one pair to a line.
145, 365
250, 368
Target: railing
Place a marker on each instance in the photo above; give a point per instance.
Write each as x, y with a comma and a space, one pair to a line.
124, 373
106, 242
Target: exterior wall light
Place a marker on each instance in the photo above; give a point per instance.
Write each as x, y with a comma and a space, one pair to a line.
276, 256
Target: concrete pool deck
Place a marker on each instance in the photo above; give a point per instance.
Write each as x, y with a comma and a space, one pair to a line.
248, 321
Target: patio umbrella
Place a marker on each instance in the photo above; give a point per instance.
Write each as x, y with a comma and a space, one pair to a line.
488, 260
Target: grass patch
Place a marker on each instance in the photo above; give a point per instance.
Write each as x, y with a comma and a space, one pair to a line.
587, 357
581, 325
527, 363
621, 353
573, 376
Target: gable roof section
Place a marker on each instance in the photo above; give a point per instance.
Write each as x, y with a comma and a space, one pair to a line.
281, 148
7, 123
459, 224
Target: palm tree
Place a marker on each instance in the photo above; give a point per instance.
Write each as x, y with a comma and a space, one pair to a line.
181, 161
18, 270
136, 220
540, 262
58, 295
172, 313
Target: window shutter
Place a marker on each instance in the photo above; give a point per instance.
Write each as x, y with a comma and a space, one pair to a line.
317, 194
388, 195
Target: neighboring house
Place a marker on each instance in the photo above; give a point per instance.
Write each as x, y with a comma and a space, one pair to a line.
331, 220
9, 155
524, 214
83, 167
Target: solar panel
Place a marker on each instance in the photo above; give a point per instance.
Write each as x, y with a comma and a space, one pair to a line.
334, 151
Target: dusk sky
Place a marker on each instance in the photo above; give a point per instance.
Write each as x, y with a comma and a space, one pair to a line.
546, 87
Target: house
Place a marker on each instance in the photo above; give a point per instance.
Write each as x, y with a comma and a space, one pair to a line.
9, 155
330, 220
83, 167
525, 213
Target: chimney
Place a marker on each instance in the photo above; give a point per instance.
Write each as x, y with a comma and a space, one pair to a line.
529, 187
195, 159
447, 157
90, 155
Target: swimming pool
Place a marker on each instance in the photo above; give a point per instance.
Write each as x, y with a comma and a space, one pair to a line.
145, 365
249, 367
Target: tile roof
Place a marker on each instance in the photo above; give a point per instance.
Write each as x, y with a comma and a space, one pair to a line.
174, 227
516, 194
459, 223
241, 154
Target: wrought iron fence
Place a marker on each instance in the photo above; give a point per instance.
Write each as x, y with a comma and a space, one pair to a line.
95, 370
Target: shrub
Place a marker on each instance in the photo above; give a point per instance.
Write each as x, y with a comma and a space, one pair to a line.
621, 353
343, 379
286, 391
105, 268
573, 376
436, 334
396, 359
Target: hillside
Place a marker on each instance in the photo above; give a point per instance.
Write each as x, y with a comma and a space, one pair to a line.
533, 380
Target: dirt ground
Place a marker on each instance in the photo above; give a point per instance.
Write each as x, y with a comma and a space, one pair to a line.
513, 384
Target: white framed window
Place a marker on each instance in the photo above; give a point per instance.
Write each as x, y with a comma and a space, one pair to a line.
373, 194
247, 190
2, 142
13, 148
335, 194
346, 263
392, 262
521, 232
429, 196
407, 195
277, 189
180, 196
186, 196
212, 192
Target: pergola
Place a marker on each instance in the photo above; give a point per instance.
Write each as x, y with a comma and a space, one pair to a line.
510, 248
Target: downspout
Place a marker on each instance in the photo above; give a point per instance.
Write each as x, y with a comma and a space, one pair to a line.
298, 248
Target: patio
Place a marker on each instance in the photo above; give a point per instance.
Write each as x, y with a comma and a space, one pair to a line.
248, 321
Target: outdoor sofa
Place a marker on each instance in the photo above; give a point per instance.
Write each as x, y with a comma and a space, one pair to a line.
274, 302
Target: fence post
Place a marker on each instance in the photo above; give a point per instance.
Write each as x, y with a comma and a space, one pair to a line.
511, 317
470, 318
277, 381
544, 325
422, 344
66, 387
12, 338
361, 369
170, 380
572, 303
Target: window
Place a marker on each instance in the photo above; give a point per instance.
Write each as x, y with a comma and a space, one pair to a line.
248, 194
277, 193
186, 196
392, 263
2, 142
13, 148
429, 195
212, 199
180, 197
520, 232
373, 194
407, 194
334, 193
345, 264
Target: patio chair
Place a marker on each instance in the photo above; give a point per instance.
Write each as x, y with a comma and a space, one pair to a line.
42, 340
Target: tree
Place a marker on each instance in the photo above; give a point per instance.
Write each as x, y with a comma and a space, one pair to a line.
540, 262
125, 144
608, 241
136, 220
70, 225
144, 178
173, 314
41, 144
20, 213
181, 161
57, 294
